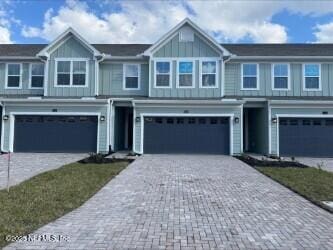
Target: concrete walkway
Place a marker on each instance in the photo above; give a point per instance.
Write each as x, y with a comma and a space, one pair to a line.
190, 202
26, 165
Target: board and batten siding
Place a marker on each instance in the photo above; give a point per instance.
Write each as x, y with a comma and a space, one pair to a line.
196, 92
200, 47
71, 110
111, 80
25, 90
233, 81
218, 109
71, 48
299, 111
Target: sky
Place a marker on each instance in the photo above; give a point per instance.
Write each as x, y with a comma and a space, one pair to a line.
135, 21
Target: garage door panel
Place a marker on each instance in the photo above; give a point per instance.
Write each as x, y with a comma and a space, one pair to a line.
306, 137
186, 135
55, 134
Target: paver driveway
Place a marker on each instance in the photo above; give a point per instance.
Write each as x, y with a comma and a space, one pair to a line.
192, 202
26, 165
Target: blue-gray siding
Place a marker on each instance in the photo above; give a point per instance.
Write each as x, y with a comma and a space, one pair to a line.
70, 110
72, 48
233, 81
25, 82
111, 80
200, 47
195, 92
218, 109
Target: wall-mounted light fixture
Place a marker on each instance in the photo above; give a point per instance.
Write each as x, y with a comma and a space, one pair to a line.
236, 119
274, 120
5, 117
186, 111
325, 112
102, 118
137, 119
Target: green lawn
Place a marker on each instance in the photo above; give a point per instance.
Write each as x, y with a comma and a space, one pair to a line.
313, 183
50, 195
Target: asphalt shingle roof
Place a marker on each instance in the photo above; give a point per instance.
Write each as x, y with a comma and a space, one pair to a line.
237, 49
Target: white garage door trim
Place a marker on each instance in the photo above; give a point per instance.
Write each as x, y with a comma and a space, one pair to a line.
231, 119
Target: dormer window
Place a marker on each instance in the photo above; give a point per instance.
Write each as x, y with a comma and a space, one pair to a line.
186, 35
71, 73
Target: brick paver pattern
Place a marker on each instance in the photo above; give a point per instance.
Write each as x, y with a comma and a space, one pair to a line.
26, 165
191, 202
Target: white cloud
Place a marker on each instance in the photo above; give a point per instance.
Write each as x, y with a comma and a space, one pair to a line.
324, 33
144, 22
5, 35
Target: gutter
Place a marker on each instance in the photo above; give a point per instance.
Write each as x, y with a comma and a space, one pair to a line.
39, 100
190, 102
295, 102
281, 57
138, 57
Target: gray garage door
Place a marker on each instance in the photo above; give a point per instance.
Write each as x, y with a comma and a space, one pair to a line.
55, 134
306, 137
189, 135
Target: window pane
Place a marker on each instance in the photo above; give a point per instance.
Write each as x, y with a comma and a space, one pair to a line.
13, 81
132, 70
208, 80
162, 80
37, 69
79, 79
79, 67
250, 82
280, 70
132, 82
64, 66
185, 80
185, 67
249, 69
311, 69
311, 82
63, 79
162, 67
209, 67
37, 81
14, 69
281, 82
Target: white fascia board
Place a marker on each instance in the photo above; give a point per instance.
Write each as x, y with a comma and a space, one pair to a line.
235, 57
188, 21
189, 102
29, 100
44, 52
300, 102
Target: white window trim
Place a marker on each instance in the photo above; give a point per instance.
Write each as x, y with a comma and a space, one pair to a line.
170, 74
21, 71
273, 77
30, 75
319, 77
257, 76
193, 74
201, 73
124, 76
71, 72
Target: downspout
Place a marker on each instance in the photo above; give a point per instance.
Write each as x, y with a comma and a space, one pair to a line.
97, 61
2, 104
223, 74
46, 73
110, 126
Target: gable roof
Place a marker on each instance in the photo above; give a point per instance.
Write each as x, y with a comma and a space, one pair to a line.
267, 50
169, 34
58, 41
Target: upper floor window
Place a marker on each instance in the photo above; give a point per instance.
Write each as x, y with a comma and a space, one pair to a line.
71, 73
311, 77
208, 78
185, 74
163, 74
131, 76
14, 72
250, 80
281, 76
36, 75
